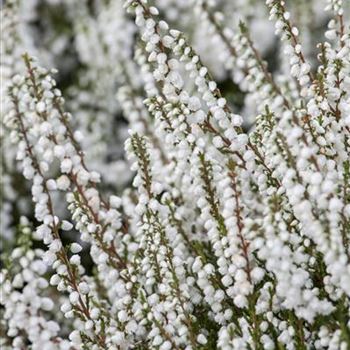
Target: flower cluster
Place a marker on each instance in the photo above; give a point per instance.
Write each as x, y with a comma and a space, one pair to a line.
230, 229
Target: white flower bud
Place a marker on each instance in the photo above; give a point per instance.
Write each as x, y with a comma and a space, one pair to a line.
84, 288
74, 297
75, 248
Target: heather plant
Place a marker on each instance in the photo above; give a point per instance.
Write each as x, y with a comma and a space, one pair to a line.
223, 222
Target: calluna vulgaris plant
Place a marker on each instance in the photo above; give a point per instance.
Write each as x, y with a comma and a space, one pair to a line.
228, 231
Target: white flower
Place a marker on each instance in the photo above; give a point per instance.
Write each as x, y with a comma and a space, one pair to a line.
75, 248
66, 165
63, 183
66, 225
84, 288
74, 297
41, 107
202, 339
115, 201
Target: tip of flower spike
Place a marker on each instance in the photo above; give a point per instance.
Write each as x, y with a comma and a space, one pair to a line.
28, 59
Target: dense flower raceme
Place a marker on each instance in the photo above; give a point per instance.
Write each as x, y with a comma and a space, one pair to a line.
225, 239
